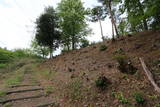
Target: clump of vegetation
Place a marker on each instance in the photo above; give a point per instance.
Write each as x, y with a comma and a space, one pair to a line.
49, 90
102, 82
119, 51
2, 93
103, 47
157, 105
75, 89
120, 97
84, 43
8, 105
125, 65
3, 66
139, 97
15, 80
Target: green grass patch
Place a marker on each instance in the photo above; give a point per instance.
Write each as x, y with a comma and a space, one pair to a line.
2, 93
49, 90
75, 91
15, 80
3, 66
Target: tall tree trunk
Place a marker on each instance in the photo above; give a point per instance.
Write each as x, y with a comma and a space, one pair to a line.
51, 51
73, 43
112, 18
112, 30
101, 29
142, 11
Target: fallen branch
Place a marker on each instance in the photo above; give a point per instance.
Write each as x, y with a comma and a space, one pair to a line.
46, 105
23, 98
149, 75
20, 91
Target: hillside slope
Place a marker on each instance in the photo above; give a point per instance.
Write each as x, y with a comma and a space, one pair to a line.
75, 73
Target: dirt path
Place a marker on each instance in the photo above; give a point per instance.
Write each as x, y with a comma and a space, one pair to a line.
27, 95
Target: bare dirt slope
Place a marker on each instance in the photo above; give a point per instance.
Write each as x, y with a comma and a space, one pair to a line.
75, 73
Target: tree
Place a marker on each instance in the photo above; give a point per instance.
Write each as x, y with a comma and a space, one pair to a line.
47, 30
108, 4
98, 14
152, 13
135, 11
39, 50
72, 22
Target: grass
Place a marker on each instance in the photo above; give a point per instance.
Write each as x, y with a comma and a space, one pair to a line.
2, 93
49, 90
75, 91
16, 80
120, 97
8, 105
3, 66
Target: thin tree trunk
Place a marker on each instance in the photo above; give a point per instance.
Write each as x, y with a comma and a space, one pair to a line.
51, 52
101, 29
112, 18
112, 30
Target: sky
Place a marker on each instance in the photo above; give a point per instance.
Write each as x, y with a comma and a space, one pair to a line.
17, 19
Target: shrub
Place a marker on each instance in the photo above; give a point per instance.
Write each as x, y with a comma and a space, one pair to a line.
139, 97
125, 65
102, 82
84, 43
103, 47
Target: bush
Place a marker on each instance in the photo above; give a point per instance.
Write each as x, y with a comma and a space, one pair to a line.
139, 97
103, 47
84, 43
102, 82
125, 65
5, 56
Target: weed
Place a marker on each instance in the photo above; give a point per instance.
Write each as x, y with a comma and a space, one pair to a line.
157, 105
15, 80
119, 51
102, 82
103, 47
49, 89
47, 74
153, 97
8, 105
3, 66
121, 98
139, 97
75, 89
2, 93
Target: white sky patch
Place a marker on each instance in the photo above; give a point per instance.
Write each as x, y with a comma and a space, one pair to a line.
17, 19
